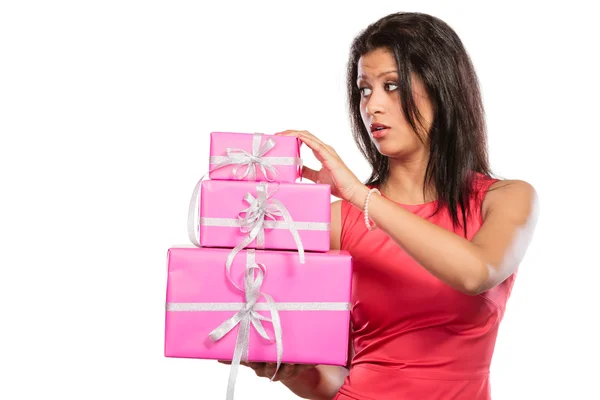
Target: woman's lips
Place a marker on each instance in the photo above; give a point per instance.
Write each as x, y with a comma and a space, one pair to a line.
379, 133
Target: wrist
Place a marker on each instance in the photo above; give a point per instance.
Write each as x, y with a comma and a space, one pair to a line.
370, 226
359, 197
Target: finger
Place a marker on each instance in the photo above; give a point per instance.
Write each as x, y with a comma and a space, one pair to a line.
310, 174
320, 151
314, 144
257, 367
260, 371
286, 371
253, 365
289, 132
309, 135
306, 134
303, 367
313, 137
269, 370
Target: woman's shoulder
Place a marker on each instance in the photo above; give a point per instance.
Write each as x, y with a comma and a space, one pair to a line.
488, 184
511, 193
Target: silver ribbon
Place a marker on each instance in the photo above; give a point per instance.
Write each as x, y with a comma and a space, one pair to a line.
280, 306
249, 315
236, 223
252, 222
193, 227
247, 162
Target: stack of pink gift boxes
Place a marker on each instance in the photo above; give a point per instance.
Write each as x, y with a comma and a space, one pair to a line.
262, 283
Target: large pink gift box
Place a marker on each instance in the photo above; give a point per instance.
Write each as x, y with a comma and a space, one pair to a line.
312, 302
265, 215
254, 157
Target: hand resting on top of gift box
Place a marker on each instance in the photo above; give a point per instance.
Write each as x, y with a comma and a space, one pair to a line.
344, 184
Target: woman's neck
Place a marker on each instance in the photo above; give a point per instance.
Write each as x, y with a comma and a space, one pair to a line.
405, 183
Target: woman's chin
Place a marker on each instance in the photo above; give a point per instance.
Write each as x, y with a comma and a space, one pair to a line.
392, 151
387, 149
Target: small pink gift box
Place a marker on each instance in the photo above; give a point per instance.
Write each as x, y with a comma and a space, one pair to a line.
286, 216
312, 301
254, 157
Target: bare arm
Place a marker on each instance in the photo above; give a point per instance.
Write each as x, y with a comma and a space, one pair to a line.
472, 267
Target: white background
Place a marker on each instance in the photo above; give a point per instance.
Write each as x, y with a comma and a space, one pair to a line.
105, 111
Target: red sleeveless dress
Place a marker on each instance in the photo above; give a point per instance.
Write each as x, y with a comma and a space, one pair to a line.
416, 338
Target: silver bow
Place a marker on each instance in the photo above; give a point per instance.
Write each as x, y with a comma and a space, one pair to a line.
248, 315
253, 222
242, 158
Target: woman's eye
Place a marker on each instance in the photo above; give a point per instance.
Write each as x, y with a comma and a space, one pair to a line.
391, 86
363, 91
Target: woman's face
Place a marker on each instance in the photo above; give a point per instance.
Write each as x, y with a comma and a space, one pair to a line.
380, 105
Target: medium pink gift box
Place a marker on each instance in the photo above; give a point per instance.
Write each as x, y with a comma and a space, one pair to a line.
265, 215
254, 157
312, 301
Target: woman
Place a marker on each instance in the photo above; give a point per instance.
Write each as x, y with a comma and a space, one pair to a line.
436, 241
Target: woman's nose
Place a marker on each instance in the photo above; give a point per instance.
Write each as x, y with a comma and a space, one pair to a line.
375, 104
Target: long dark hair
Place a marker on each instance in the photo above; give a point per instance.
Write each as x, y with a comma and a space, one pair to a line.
427, 46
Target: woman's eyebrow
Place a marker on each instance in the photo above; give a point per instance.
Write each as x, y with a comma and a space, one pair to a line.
380, 75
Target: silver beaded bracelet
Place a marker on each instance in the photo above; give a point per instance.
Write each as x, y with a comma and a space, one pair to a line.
366, 210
